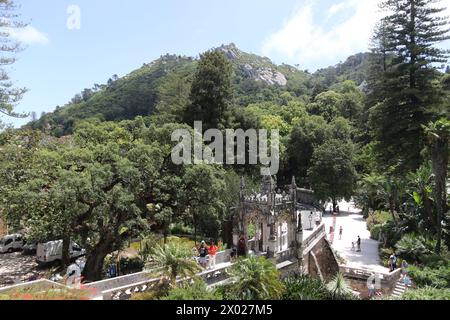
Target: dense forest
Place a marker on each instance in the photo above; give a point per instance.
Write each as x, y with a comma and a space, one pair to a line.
374, 128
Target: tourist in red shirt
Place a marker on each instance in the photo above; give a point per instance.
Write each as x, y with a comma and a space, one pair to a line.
212, 250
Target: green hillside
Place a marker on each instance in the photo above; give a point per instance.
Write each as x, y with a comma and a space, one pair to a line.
164, 84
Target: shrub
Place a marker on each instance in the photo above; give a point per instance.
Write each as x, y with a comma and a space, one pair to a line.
378, 218
434, 277
196, 291
427, 293
414, 247
131, 265
180, 228
375, 232
256, 279
390, 234
304, 287
46, 294
339, 289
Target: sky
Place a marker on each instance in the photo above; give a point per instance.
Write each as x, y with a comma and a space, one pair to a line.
70, 45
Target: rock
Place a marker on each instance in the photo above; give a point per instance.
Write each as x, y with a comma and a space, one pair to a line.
264, 74
259, 70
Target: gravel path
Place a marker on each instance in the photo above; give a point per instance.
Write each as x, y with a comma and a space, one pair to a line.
16, 268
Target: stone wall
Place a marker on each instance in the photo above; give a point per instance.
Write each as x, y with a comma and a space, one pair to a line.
321, 262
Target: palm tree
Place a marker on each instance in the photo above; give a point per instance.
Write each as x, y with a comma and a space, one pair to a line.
391, 191
369, 190
256, 279
421, 189
174, 261
339, 289
438, 134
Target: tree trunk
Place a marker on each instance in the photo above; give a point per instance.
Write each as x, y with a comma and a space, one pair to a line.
65, 254
392, 210
439, 158
334, 204
227, 233
195, 228
94, 263
428, 209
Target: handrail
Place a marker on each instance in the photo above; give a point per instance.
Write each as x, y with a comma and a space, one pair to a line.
386, 276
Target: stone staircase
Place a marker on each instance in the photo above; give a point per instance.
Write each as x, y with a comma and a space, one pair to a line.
399, 289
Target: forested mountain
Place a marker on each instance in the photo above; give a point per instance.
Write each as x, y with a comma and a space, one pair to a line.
165, 84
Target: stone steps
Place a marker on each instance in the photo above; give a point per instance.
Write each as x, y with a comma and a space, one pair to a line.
399, 289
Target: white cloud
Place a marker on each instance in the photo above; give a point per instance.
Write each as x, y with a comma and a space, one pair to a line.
312, 43
305, 41
29, 35
335, 8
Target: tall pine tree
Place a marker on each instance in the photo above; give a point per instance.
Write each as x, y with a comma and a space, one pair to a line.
404, 93
9, 95
211, 92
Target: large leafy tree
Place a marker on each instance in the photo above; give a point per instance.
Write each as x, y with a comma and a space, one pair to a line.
404, 89
307, 134
332, 172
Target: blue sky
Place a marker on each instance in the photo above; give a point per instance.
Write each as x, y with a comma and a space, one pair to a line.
116, 37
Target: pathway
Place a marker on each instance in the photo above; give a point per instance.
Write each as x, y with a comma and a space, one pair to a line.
353, 226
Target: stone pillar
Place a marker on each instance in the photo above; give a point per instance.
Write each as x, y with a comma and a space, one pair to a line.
299, 245
272, 243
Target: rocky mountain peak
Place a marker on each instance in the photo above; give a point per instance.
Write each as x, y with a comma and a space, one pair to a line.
254, 67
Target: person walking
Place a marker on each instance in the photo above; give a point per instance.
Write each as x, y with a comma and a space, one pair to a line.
203, 254
212, 250
358, 244
392, 262
371, 289
340, 232
194, 251
404, 267
241, 247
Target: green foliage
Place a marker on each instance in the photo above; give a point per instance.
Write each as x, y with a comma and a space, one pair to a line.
307, 134
180, 228
304, 287
211, 92
255, 279
437, 277
43, 294
378, 218
10, 96
427, 293
333, 174
174, 262
131, 265
375, 232
196, 291
339, 289
414, 247
406, 41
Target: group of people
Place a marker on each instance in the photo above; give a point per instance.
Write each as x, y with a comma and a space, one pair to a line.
332, 211
205, 255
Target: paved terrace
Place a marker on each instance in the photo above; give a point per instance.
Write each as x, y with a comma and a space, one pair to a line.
353, 224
